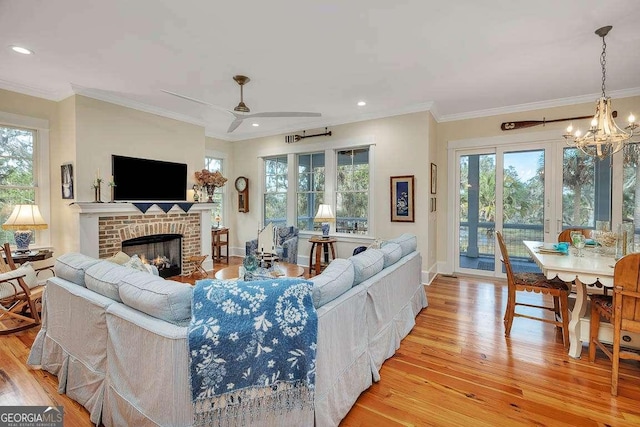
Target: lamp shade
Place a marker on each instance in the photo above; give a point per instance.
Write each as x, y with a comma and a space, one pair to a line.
324, 214
25, 217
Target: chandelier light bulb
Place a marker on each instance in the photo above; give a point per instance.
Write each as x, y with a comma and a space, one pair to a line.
594, 122
569, 129
631, 118
578, 133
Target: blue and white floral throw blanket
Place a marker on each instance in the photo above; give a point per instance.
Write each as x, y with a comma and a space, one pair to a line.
252, 349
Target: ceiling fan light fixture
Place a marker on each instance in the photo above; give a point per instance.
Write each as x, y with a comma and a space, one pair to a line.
242, 108
603, 138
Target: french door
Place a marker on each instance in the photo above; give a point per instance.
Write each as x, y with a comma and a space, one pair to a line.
504, 188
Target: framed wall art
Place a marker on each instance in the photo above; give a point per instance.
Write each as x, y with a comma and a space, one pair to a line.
66, 175
434, 178
402, 204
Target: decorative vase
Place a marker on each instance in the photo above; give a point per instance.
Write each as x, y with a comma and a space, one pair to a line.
97, 196
210, 190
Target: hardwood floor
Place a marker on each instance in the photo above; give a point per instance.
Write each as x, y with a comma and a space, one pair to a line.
455, 368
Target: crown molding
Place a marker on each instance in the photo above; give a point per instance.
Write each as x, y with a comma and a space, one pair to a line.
140, 106
34, 91
561, 102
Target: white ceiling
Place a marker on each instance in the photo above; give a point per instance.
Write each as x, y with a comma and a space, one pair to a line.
464, 58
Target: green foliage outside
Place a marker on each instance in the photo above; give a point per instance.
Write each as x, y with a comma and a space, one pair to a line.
16, 173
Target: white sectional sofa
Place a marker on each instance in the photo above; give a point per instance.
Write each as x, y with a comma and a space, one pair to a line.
117, 338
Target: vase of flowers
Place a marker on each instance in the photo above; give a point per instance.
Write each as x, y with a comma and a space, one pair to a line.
209, 181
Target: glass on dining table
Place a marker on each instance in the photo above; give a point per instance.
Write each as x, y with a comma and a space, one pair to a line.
579, 240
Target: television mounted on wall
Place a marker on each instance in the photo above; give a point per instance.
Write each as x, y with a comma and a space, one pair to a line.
148, 180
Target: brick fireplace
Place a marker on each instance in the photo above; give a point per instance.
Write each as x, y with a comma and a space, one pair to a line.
104, 226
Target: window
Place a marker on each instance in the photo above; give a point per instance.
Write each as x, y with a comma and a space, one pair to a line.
310, 194
352, 191
275, 194
17, 172
213, 164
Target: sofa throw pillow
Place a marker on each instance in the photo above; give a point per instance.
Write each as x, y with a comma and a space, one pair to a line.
157, 297
407, 242
7, 289
120, 258
105, 277
136, 263
392, 253
72, 266
366, 264
335, 280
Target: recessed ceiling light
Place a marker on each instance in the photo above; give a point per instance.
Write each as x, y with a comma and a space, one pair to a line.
22, 50
255, 124
361, 103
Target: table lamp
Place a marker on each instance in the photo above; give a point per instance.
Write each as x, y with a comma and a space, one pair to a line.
217, 218
325, 216
23, 220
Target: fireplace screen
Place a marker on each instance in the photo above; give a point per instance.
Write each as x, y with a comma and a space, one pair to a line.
162, 250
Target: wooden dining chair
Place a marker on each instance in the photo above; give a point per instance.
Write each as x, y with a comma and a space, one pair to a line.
19, 295
565, 235
623, 311
538, 283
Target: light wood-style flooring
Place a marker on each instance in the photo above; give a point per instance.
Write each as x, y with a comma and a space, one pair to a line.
455, 368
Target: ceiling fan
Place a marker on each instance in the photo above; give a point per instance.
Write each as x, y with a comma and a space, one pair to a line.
241, 111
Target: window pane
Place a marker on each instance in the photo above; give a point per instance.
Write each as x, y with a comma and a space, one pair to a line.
352, 196
631, 191
578, 189
275, 209
213, 164
276, 185
310, 189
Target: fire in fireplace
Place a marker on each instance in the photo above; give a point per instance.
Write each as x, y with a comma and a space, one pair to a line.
162, 250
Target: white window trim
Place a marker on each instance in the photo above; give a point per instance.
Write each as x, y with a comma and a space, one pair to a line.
41, 165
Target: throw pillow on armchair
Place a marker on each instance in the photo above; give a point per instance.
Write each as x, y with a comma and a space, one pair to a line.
286, 244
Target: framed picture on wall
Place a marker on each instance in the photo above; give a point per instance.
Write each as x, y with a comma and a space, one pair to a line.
402, 204
66, 175
434, 178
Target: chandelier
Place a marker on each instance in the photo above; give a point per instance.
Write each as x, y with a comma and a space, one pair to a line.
604, 137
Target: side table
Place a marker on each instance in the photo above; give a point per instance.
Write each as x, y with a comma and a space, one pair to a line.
316, 264
217, 244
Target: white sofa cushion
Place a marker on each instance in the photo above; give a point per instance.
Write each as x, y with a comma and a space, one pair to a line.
392, 253
72, 267
367, 264
157, 297
407, 242
105, 277
336, 279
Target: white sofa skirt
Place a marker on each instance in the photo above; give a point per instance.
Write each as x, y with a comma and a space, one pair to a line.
72, 342
395, 296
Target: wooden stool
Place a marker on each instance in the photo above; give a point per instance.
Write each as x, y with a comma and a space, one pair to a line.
325, 245
198, 271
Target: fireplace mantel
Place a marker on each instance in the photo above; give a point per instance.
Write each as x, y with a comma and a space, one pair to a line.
89, 214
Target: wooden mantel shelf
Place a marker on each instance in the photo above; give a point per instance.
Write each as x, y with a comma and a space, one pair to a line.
125, 207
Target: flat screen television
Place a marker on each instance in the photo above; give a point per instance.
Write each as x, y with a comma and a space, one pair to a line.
148, 180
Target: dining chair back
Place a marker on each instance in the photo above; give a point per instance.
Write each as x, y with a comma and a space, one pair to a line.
565, 235
538, 283
623, 310
19, 294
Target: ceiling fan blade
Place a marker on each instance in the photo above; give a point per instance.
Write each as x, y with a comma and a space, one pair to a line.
234, 124
284, 114
188, 98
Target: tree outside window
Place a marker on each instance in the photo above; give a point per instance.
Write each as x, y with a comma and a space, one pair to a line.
352, 195
276, 186
17, 177
310, 194
213, 164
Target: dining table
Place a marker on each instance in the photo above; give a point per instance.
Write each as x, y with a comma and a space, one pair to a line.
594, 266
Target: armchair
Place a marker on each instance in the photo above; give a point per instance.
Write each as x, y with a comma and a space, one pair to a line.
286, 244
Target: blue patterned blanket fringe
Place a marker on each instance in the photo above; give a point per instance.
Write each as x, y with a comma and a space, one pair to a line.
252, 348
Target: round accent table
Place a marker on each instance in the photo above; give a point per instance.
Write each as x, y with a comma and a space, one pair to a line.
231, 272
325, 244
